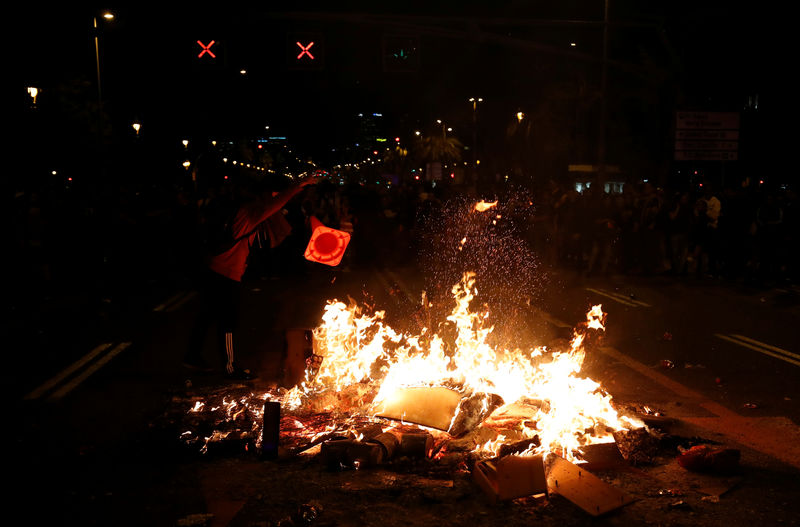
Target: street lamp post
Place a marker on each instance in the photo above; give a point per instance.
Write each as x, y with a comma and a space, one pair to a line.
475, 102
108, 16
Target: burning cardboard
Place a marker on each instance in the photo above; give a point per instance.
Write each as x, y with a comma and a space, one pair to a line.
601, 456
472, 411
350, 454
433, 407
511, 477
416, 445
582, 488
299, 348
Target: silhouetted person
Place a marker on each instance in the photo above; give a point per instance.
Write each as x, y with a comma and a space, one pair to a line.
220, 286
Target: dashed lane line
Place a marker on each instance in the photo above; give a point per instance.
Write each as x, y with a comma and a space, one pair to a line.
73, 375
761, 347
175, 301
619, 298
177, 305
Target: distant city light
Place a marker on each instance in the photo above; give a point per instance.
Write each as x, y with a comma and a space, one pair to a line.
33, 92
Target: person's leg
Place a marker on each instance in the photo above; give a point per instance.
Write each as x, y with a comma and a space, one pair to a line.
228, 293
205, 317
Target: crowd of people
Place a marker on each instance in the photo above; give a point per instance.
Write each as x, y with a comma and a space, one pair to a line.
92, 256
735, 233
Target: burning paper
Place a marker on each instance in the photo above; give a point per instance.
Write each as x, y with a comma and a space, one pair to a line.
370, 369
483, 206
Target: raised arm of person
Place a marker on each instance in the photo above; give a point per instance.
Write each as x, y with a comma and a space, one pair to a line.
266, 207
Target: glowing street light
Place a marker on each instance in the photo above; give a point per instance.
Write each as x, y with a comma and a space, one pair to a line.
33, 91
108, 16
137, 126
520, 116
185, 143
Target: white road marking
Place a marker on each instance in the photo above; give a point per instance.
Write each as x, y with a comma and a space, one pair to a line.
616, 298
175, 301
66, 372
91, 359
102, 361
177, 305
761, 347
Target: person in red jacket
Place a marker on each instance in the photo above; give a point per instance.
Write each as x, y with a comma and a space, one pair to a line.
221, 283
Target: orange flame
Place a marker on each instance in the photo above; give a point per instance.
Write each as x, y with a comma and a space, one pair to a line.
365, 362
483, 206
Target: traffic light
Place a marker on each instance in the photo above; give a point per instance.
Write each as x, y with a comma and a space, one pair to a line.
207, 53
205, 49
401, 53
305, 51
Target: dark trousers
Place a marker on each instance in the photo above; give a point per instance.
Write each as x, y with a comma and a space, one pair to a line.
219, 307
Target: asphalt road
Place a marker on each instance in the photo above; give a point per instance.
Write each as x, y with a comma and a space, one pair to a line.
722, 357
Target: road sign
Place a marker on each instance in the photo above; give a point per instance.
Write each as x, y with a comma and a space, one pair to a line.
705, 155
706, 136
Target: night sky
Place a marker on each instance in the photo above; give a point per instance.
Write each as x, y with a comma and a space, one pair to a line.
719, 55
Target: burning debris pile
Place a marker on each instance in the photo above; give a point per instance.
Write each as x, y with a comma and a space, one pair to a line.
457, 382
373, 396
447, 403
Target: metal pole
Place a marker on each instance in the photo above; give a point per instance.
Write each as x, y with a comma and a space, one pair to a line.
601, 146
474, 142
97, 62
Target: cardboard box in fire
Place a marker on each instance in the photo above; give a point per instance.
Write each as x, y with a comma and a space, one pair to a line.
439, 407
511, 477
298, 355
